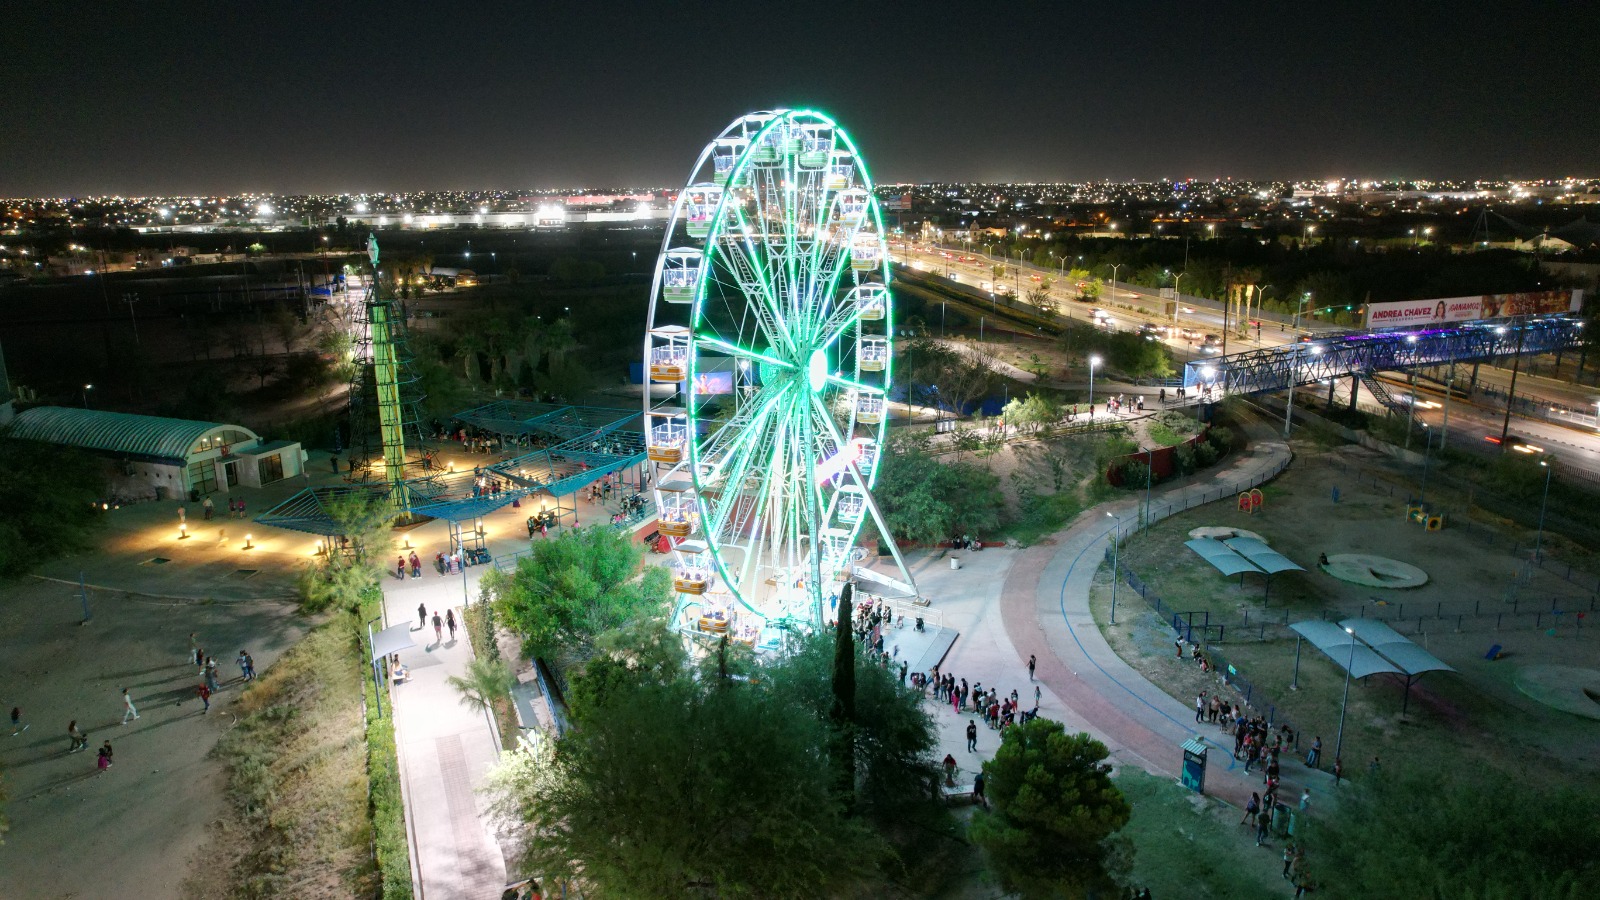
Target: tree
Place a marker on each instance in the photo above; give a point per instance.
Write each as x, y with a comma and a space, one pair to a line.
927, 500
339, 577
842, 711
1412, 834
486, 681
1054, 809
49, 502
1040, 298
572, 588
695, 786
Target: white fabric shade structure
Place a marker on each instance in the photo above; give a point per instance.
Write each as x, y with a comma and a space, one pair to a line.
392, 640
1368, 647
1241, 555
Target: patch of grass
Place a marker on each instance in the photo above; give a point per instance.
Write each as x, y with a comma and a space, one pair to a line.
1189, 845
479, 621
386, 805
297, 775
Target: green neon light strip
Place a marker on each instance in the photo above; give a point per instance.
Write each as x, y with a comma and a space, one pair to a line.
737, 350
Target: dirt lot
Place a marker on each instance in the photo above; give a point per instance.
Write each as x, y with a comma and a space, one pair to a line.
1474, 717
132, 831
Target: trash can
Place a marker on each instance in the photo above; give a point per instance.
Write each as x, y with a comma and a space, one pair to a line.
1193, 775
955, 563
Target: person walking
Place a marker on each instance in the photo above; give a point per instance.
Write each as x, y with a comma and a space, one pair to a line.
450, 622
194, 646
79, 740
17, 727
972, 735
1263, 821
400, 568
244, 670
1037, 692
205, 698
977, 789
416, 565
438, 629
422, 616
1251, 808
104, 761
208, 508
211, 675
249, 667
1031, 663
129, 711
1288, 859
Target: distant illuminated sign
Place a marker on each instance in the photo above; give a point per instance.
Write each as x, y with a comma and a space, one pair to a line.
1454, 310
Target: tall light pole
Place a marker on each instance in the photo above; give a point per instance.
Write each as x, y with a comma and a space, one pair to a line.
1303, 299
1294, 375
1427, 454
1149, 477
1093, 361
131, 299
1114, 269
1338, 744
86, 389
1538, 542
1177, 295
1116, 576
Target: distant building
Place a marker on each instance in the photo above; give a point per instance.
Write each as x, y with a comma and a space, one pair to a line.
159, 459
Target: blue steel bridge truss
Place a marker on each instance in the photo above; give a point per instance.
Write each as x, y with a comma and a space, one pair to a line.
586, 444
1324, 358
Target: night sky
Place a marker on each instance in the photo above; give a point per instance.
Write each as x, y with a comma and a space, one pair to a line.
301, 97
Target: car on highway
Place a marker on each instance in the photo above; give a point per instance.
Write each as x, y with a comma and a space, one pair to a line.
1210, 344
1513, 442
1152, 332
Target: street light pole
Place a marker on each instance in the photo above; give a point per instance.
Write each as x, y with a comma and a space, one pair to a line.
1116, 576
1538, 542
86, 389
1149, 477
1114, 269
1338, 744
131, 299
1093, 361
1294, 372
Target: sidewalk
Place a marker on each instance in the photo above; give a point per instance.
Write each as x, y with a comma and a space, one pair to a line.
1045, 604
445, 748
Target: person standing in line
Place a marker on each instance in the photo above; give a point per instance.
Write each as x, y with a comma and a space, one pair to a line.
205, 698
450, 622
129, 711
16, 721
106, 749
79, 740
422, 616
241, 508
972, 735
1200, 707
1032, 661
438, 629
1036, 694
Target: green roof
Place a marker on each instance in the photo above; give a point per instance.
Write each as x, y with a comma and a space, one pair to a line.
123, 434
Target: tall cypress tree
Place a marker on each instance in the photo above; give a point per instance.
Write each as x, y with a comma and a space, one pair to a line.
843, 712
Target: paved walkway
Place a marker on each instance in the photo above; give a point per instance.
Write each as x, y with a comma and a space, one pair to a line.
1045, 609
445, 748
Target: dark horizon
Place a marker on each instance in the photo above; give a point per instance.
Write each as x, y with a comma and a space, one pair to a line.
197, 99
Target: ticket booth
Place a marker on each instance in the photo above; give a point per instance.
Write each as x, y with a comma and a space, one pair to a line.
1194, 765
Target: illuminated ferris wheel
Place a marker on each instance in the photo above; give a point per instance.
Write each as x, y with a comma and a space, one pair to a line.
769, 349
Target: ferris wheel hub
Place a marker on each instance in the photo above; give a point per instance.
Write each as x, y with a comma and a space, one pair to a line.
817, 369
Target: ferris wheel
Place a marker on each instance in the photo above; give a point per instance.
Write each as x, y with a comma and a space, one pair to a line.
769, 349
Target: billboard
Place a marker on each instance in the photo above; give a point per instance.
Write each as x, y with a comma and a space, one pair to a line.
707, 383
1455, 310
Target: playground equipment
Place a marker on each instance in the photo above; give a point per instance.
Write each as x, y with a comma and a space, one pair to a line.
1419, 514
771, 319
1251, 500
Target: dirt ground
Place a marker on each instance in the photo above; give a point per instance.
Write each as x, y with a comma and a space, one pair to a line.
132, 831
1472, 717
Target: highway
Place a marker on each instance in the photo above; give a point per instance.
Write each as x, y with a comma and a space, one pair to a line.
1575, 438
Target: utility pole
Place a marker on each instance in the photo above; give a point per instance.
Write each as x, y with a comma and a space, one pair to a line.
131, 299
1511, 395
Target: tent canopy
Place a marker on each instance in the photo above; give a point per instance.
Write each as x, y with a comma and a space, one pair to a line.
392, 640
1347, 652
1261, 556
1220, 556
1395, 647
